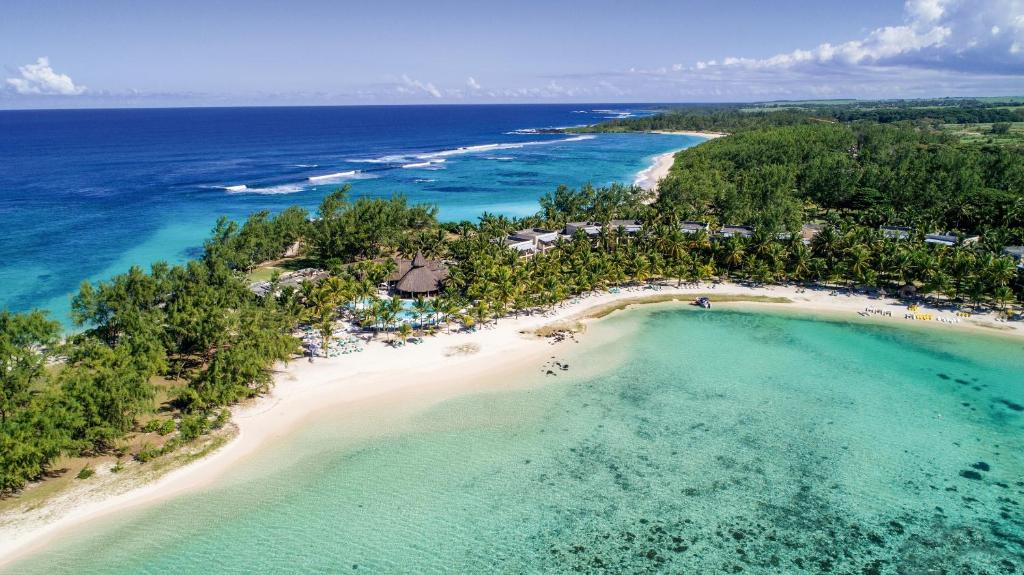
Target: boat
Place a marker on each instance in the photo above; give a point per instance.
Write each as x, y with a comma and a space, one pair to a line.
702, 302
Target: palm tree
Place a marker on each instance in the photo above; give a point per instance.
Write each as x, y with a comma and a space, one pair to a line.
733, 253
858, 262
404, 331
421, 307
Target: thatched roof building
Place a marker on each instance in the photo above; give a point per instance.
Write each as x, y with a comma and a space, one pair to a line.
418, 276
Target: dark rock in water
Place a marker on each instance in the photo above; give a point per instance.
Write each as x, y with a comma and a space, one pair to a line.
1011, 405
981, 466
943, 376
968, 474
962, 381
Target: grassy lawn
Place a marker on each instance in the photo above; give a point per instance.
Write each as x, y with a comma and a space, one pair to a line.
982, 133
267, 270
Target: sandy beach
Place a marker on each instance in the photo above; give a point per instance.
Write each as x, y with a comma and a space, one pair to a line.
303, 389
706, 135
649, 177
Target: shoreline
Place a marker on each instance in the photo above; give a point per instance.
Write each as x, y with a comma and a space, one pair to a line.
303, 390
649, 177
705, 135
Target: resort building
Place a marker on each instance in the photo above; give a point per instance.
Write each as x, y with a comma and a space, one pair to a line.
895, 232
589, 228
949, 240
1017, 253
738, 231
532, 240
629, 226
418, 276
523, 246
809, 231
693, 227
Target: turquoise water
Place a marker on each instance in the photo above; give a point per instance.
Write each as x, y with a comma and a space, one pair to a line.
85, 194
707, 442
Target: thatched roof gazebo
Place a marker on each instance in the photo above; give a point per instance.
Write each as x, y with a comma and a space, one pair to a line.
418, 276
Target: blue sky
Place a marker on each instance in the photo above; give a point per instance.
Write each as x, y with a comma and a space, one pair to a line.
104, 53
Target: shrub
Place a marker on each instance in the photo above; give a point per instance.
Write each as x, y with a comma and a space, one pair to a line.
151, 426
192, 426
147, 453
167, 427
86, 472
222, 418
1001, 128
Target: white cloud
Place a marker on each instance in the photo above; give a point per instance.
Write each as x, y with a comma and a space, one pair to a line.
40, 78
926, 10
472, 83
942, 47
410, 85
969, 37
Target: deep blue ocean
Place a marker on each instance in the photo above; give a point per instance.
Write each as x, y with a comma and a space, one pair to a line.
85, 194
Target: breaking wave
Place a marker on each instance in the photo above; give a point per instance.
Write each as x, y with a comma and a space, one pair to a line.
335, 176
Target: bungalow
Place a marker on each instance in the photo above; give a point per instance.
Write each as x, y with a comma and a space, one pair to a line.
418, 276
523, 246
949, 240
589, 228
809, 231
740, 231
895, 232
531, 240
629, 226
535, 235
693, 227
1017, 253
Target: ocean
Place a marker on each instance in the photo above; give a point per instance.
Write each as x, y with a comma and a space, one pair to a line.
678, 441
85, 194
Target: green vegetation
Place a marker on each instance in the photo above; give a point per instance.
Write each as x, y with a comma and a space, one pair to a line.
1006, 134
933, 115
198, 327
777, 178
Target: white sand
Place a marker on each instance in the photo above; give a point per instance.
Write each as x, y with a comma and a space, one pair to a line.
708, 135
649, 177
303, 389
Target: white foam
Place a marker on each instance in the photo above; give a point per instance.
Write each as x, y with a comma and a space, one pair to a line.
492, 147
238, 188
269, 191
393, 159
408, 161
305, 165
426, 164
335, 176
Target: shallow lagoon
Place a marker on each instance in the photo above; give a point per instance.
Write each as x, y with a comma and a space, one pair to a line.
700, 442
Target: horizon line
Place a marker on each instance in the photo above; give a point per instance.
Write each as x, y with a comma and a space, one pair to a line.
499, 104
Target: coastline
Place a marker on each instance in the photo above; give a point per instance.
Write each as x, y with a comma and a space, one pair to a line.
649, 177
706, 135
304, 389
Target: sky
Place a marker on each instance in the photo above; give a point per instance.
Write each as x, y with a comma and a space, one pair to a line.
97, 53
